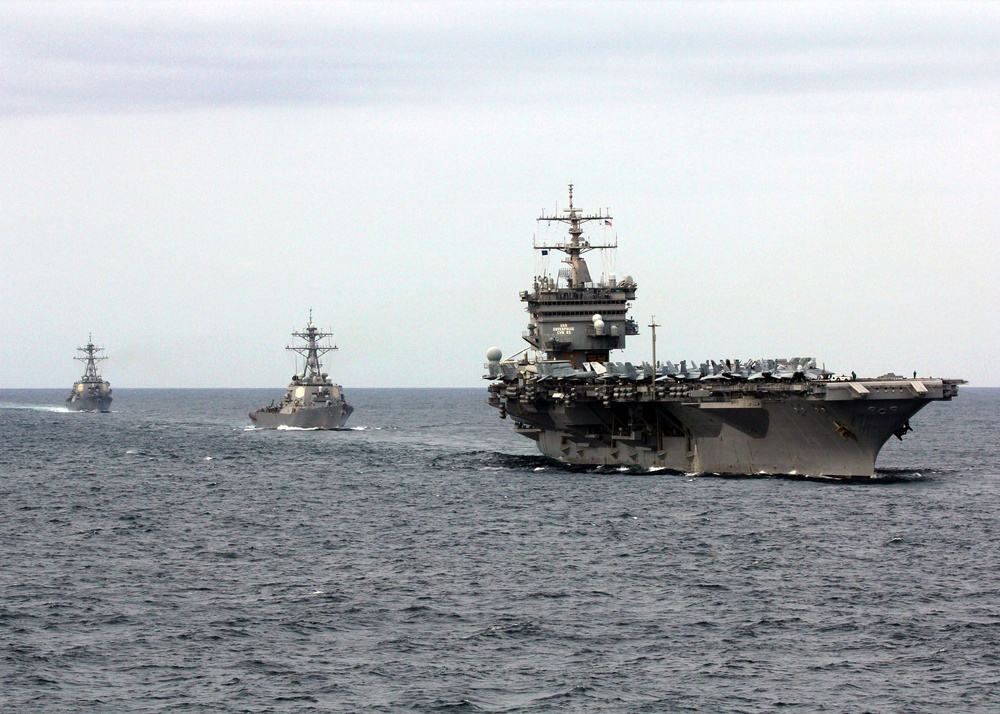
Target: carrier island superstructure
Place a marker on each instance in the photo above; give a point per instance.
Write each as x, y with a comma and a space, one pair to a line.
90, 393
758, 416
312, 400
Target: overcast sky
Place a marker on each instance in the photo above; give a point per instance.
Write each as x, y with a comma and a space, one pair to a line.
186, 180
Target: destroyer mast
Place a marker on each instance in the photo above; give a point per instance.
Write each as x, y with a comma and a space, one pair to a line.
312, 350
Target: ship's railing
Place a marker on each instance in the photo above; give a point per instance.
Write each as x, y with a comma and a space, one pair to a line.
617, 293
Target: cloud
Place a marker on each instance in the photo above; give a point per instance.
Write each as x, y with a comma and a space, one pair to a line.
114, 57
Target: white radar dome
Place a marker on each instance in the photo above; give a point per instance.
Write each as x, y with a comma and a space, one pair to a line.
596, 318
494, 354
599, 326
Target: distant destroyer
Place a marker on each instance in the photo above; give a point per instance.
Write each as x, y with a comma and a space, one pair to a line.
91, 393
760, 416
312, 400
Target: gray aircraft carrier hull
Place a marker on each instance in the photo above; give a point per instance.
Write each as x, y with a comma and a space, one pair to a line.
96, 403
825, 429
333, 416
740, 417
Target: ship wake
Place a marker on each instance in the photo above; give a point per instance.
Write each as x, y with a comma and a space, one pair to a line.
35, 407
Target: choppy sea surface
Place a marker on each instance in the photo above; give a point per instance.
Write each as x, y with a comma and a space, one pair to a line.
167, 558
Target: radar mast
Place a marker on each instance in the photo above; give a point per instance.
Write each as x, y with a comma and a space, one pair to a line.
312, 350
575, 248
90, 360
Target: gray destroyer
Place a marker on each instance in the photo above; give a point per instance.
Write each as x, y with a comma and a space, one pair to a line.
312, 401
758, 416
90, 393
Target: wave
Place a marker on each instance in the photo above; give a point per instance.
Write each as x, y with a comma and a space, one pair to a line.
484, 460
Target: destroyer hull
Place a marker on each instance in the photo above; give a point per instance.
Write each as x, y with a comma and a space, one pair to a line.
89, 404
826, 431
326, 417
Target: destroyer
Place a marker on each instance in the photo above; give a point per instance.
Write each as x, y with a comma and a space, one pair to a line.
781, 416
312, 400
90, 393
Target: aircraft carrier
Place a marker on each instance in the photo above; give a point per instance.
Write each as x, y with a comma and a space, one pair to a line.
91, 393
312, 400
757, 416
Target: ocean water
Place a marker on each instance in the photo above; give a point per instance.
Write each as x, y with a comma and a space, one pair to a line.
166, 558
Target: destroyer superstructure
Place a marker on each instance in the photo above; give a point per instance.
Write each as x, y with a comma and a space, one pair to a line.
312, 400
90, 393
759, 416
